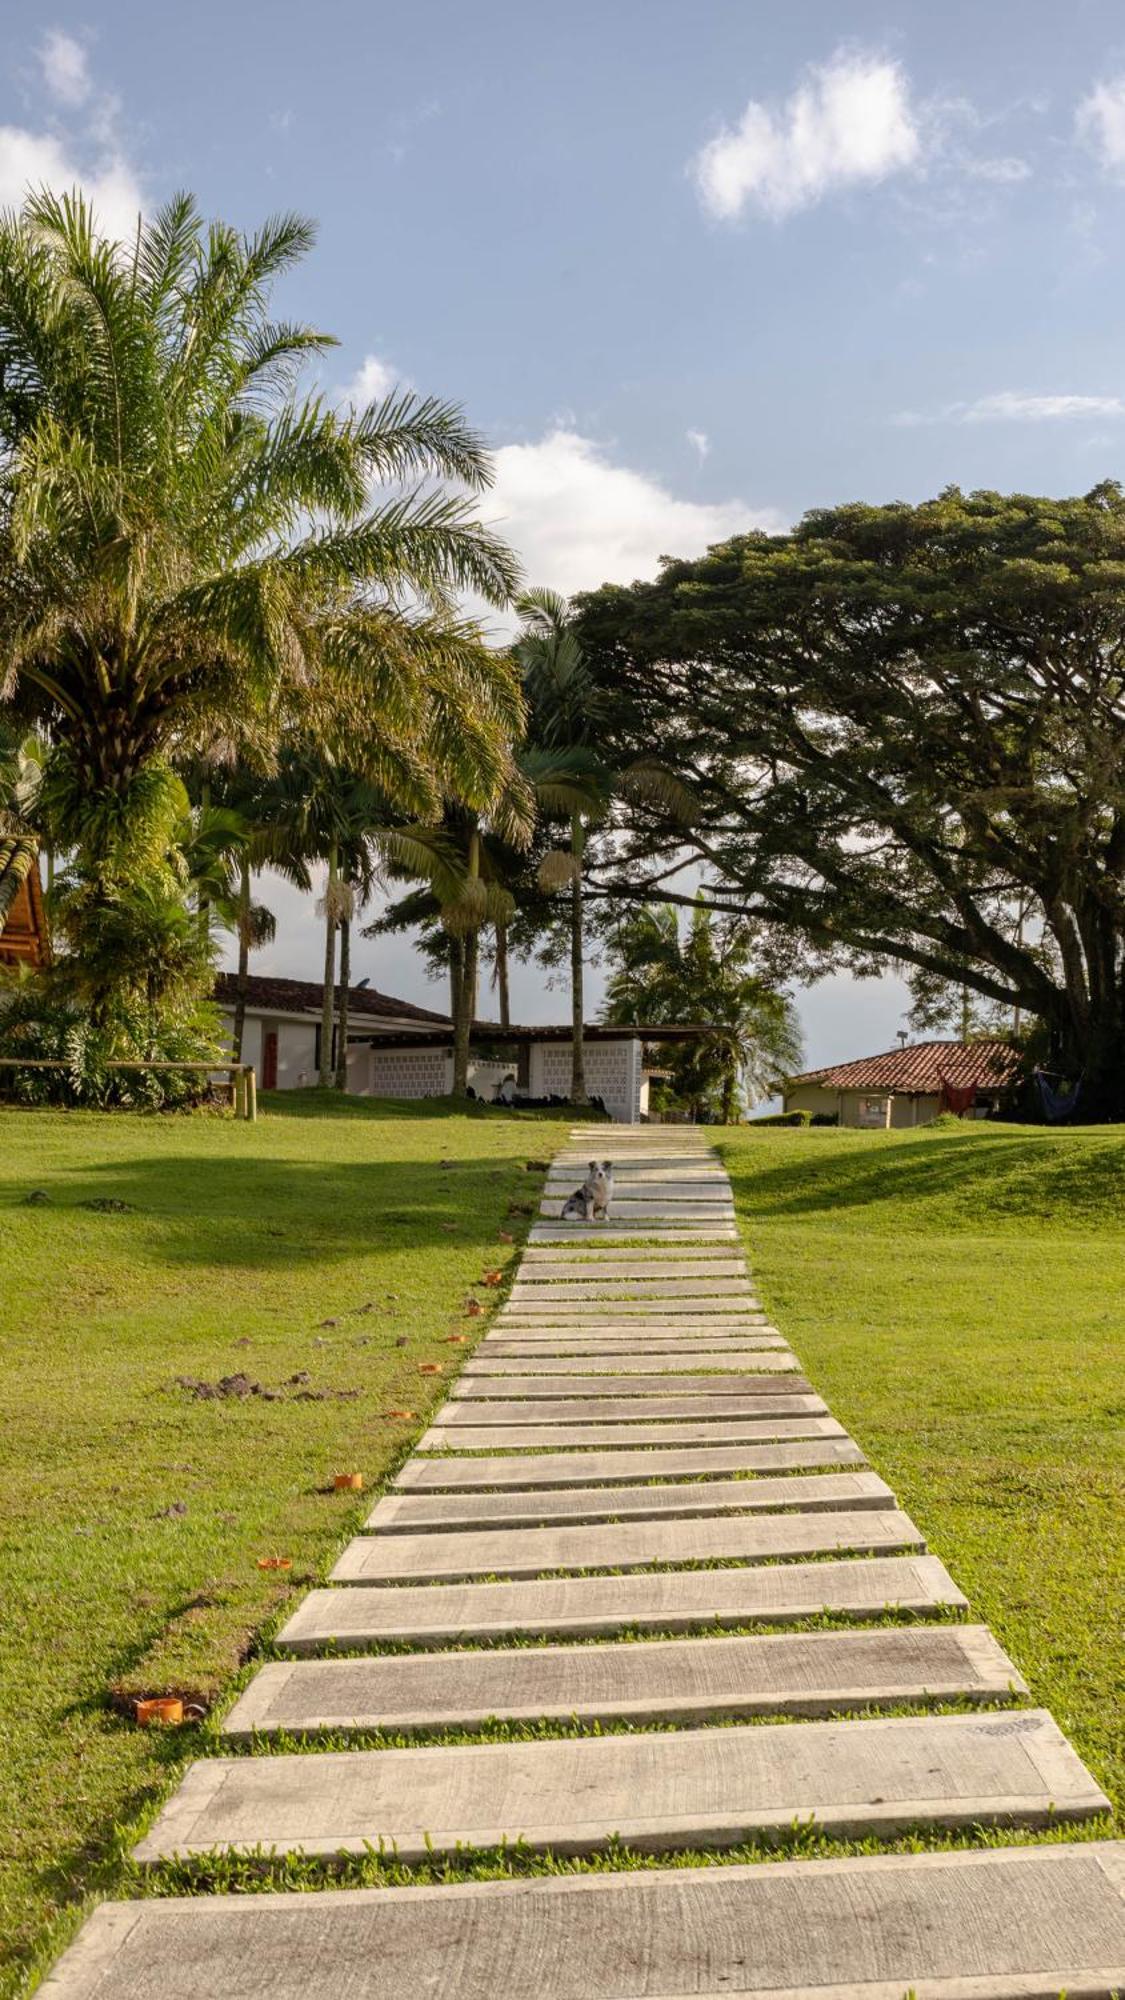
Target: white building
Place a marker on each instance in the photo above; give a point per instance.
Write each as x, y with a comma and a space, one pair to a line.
396, 1049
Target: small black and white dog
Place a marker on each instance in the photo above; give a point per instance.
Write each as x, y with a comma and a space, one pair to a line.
590, 1202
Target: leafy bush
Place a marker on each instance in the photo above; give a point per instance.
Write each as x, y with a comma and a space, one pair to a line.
41, 1024
825, 1118
785, 1118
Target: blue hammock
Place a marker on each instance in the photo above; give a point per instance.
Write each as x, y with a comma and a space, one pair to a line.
1058, 1104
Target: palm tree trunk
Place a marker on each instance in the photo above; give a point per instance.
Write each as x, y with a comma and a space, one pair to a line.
204, 903
578, 1046
324, 1078
730, 1095
342, 1015
464, 1010
243, 973
466, 1007
503, 986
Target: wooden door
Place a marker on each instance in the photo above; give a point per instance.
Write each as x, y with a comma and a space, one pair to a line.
269, 1060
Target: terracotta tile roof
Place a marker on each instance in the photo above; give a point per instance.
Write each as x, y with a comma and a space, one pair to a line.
923, 1067
303, 996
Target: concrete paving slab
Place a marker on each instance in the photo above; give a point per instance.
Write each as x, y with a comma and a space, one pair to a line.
525, 1388
618, 1468
820, 1492
677, 1180
670, 1680
525, 1292
1016, 1923
588, 1438
635, 1309
601, 1251
623, 1545
652, 1210
613, 1320
621, 1233
714, 1317
745, 1360
572, 1269
696, 1787
586, 1350
599, 1606
777, 1401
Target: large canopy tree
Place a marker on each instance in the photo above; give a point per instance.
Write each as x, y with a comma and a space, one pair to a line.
192, 555
905, 728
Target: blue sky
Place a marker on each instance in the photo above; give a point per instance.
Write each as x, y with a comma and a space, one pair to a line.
688, 267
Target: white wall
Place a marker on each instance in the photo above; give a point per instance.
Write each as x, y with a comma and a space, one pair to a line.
613, 1073
411, 1073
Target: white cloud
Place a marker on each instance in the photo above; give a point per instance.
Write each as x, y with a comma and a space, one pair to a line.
32, 160
82, 148
373, 379
699, 442
1100, 124
1009, 407
65, 70
1005, 171
850, 122
576, 518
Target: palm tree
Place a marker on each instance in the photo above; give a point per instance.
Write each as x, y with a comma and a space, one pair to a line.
494, 857
752, 1038
187, 548
316, 808
565, 713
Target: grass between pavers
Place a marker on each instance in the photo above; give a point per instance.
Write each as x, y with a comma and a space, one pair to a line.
957, 1295
132, 1515
265, 1871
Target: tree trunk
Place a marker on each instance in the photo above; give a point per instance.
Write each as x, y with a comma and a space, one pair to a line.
242, 975
577, 940
464, 1010
324, 1078
728, 1107
503, 987
342, 1012
204, 902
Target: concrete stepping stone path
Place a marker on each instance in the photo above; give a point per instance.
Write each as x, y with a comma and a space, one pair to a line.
436, 1557
1001, 1924
711, 1386
630, 1453
685, 1788
678, 1680
674, 1499
621, 1468
599, 1606
470, 1438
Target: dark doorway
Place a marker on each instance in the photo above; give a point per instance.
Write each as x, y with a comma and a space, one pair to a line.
269, 1060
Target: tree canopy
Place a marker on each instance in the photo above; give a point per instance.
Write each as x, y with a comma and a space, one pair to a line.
904, 730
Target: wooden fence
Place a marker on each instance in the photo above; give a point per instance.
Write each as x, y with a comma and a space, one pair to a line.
243, 1082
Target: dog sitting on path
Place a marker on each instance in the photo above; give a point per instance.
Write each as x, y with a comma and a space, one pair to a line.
590, 1202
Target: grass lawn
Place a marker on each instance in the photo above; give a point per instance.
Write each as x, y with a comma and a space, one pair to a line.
958, 1296
132, 1515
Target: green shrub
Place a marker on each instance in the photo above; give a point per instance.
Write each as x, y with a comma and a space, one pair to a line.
42, 1024
784, 1118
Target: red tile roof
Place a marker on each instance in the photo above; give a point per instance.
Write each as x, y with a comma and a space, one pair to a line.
923, 1067
303, 996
